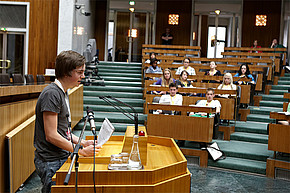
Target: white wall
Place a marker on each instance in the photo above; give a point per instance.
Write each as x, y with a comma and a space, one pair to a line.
75, 29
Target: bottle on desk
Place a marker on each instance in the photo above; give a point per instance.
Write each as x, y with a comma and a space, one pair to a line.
134, 158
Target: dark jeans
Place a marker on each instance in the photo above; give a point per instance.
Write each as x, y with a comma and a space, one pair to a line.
46, 170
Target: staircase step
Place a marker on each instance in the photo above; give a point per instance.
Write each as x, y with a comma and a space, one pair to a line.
120, 75
284, 78
264, 110
120, 67
120, 63
287, 74
250, 137
240, 165
125, 71
284, 82
271, 104
280, 87
96, 101
120, 78
114, 89
278, 92
251, 127
274, 98
113, 94
260, 118
108, 108
115, 117
121, 83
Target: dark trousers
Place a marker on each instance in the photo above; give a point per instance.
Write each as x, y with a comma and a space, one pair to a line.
46, 171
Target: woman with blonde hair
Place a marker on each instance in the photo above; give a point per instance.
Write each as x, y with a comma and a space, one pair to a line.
165, 80
227, 84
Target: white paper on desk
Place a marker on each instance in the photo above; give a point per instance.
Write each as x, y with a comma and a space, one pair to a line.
106, 132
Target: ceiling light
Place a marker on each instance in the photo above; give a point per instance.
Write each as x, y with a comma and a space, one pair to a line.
131, 2
217, 11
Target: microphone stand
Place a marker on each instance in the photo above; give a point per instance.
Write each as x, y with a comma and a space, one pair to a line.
74, 158
133, 117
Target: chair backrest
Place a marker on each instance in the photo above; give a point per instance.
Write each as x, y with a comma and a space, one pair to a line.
17, 79
40, 79
29, 79
4, 80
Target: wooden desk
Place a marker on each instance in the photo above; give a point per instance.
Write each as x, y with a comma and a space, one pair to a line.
165, 171
181, 127
287, 96
279, 136
18, 90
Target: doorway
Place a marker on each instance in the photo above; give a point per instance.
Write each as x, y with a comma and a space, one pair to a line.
220, 45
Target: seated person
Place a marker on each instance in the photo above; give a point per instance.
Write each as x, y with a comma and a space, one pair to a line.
152, 56
183, 82
154, 68
212, 72
209, 102
172, 98
227, 84
190, 70
165, 80
244, 71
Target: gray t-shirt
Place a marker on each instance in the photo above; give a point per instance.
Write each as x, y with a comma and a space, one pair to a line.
52, 99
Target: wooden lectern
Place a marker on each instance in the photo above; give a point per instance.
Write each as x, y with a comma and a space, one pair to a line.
165, 168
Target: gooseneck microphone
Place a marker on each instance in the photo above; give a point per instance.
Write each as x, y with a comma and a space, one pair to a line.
91, 120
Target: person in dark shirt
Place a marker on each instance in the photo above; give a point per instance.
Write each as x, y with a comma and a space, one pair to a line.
167, 37
53, 140
212, 72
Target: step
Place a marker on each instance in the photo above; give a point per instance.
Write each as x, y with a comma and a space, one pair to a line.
250, 137
239, 164
119, 67
117, 95
260, 118
245, 150
278, 92
280, 87
125, 71
284, 82
120, 78
284, 78
271, 104
273, 97
264, 110
115, 117
120, 75
114, 89
251, 127
108, 108
120, 63
97, 101
122, 83
119, 127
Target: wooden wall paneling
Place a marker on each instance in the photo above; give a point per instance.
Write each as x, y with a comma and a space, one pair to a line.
43, 34
180, 32
21, 153
265, 34
11, 115
100, 29
139, 23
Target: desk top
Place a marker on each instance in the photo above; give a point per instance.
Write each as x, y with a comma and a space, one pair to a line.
18, 90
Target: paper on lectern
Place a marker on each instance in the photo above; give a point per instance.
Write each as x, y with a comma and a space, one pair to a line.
105, 133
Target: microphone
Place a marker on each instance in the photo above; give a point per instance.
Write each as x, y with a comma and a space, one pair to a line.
91, 119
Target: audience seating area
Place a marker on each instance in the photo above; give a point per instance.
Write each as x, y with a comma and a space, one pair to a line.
266, 65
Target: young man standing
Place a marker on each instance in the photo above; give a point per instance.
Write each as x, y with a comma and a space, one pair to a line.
52, 139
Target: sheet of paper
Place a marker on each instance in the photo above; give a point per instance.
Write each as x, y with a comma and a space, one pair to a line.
106, 131
213, 152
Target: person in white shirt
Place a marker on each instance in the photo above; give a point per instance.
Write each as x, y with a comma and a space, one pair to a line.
190, 70
172, 98
209, 102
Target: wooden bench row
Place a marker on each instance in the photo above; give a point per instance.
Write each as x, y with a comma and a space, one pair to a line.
228, 104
